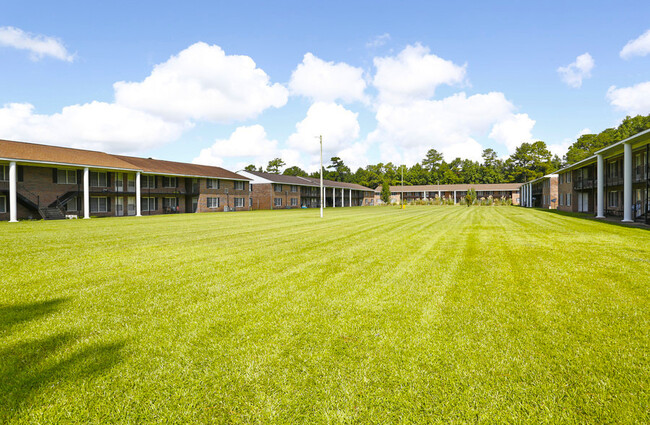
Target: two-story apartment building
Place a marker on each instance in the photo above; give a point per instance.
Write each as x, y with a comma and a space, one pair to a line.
52, 182
541, 192
277, 191
615, 181
454, 192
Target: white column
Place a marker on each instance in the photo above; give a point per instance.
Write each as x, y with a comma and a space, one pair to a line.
439, 195
627, 183
342, 198
333, 197
424, 195
13, 206
138, 198
600, 187
86, 192
454, 197
350, 197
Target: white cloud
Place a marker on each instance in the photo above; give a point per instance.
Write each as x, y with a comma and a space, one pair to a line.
406, 132
247, 141
575, 72
338, 126
638, 47
634, 100
203, 83
96, 125
378, 41
513, 131
327, 81
414, 74
38, 45
560, 149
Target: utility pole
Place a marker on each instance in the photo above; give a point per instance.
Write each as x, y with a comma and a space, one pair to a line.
402, 195
321, 176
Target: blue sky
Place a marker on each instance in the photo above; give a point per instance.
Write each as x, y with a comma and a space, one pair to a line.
382, 81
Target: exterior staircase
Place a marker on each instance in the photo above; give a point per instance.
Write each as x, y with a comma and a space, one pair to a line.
51, 213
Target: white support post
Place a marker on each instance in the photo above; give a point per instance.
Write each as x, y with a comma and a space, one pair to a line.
333, 197
600, 187
342, 198
424, 195
350, 193
86, 192
627, 183
454, 197
13, 206
138, 198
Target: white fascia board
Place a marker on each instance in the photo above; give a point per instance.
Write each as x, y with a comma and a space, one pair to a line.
630, 139
153, 173
65, 164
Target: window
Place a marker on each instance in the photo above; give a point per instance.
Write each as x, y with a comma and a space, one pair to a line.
213, 202
169, 203
119, 182
239, 186
277, 202
169, 181
72, 204
277, 187
250, 202
613, 199
98, 204
212, 184
130, 205
148, 182
568, 199
98, 179
568, 177
4, 173
130, 181
294, 202
67, 176
561, 202
3, 204
294, 188
148, 204
239, 202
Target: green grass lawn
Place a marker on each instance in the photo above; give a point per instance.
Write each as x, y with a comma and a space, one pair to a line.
371, 315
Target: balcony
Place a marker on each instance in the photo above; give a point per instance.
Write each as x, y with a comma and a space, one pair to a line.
614, 181
640, 175
584, 184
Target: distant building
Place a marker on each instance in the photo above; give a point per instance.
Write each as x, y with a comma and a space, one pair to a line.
456, 192
541, 192
277, 191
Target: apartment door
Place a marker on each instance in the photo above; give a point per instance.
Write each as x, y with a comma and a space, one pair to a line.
195, 203
130, 205
119, 185
119, 206
638, 203
583, 202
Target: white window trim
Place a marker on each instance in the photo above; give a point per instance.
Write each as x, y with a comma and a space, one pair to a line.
239, 202
207, 202
98, 210
4, 171
3, 204
148, 203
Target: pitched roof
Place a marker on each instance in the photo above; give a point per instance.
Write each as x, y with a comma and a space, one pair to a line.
448, 187
58, 155
306, 181
158, 166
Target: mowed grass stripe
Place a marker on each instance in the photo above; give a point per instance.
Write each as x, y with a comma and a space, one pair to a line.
373, 315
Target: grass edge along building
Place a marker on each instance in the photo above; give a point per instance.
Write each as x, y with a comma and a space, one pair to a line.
55, 182
279, 191
613, 182
454, 192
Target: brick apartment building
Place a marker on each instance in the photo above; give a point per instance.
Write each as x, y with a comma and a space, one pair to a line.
456, 192
615, 182
541, 192
277, 191
42, 181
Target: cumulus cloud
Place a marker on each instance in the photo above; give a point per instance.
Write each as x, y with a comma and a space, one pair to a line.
95, 125
327, 81
513, 131
338, 126
638, 47
38, 45
405, 132
203, 83
378, 41
414, 74
246, 141
634, 100
575, 72
560, 149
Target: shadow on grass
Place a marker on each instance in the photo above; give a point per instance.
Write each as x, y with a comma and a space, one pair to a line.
27, 368
587, 216
13, 315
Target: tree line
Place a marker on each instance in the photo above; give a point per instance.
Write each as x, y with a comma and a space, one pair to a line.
528, 162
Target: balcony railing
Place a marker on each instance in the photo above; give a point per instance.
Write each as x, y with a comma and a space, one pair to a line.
615, 181
583, 184
639, 174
